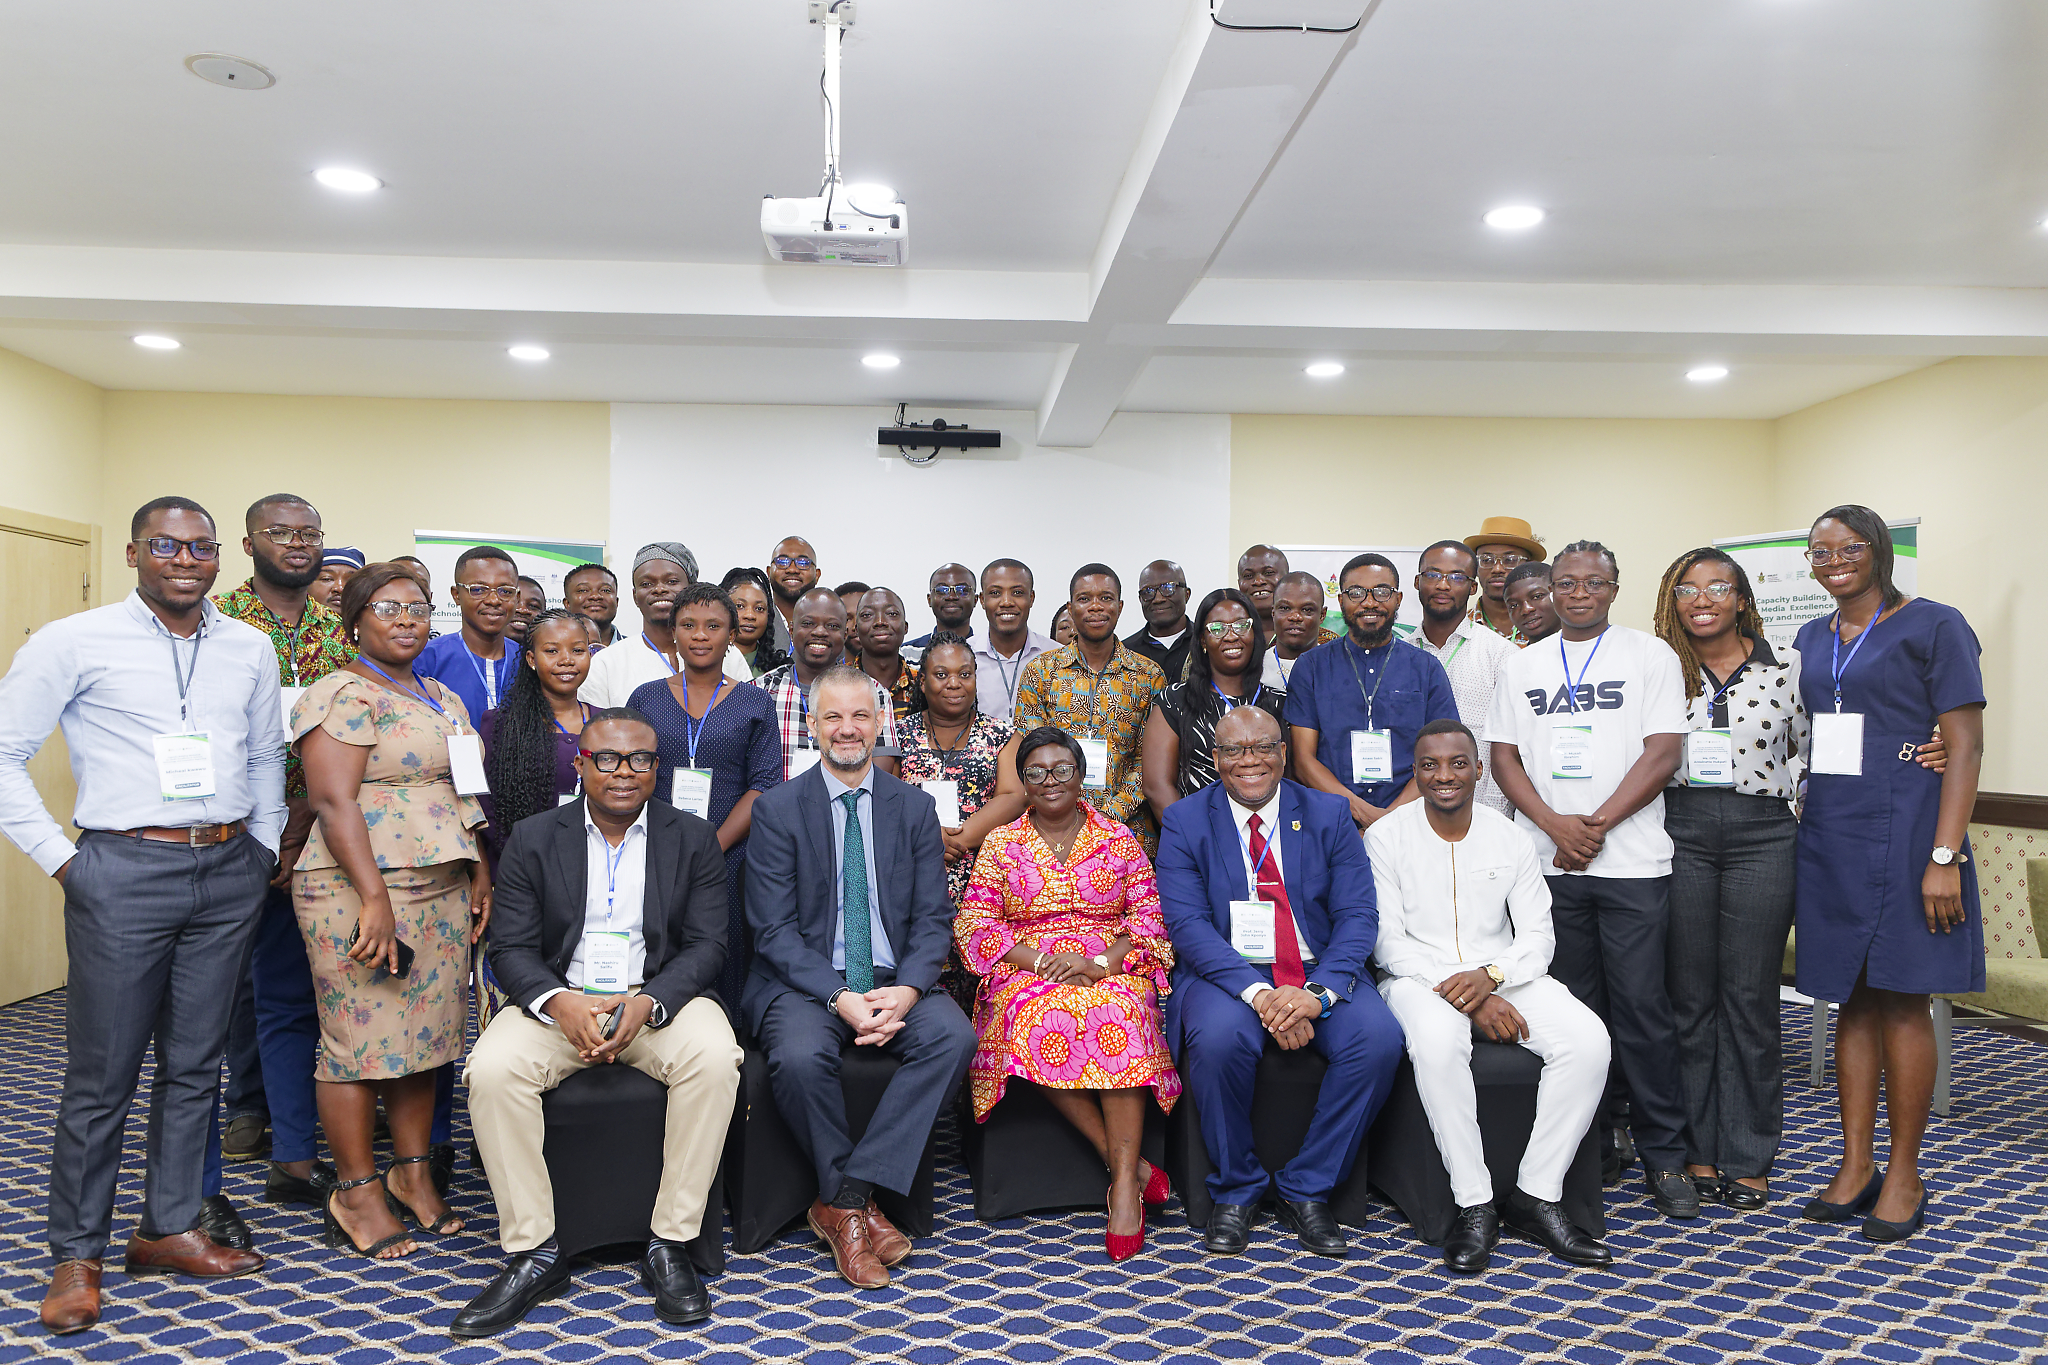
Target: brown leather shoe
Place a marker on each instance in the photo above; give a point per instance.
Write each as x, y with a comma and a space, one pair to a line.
188, 1253
891, 1246
72, 1303
846, 1232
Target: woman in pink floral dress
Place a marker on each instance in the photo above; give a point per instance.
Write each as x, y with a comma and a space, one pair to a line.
1061, 919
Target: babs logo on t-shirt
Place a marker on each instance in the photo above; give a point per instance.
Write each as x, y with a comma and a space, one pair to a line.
1606, 697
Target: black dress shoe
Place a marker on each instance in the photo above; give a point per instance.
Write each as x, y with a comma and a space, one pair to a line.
282, 1187
1472, 1237
1673, 1193
441, 1166
1315, 1226
506, 1300
1711, 1189
1745, 1198
1544, 1223
1230, 1229
679, 1296
219, 1221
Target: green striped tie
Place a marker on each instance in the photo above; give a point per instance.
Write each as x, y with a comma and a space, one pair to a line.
853, 904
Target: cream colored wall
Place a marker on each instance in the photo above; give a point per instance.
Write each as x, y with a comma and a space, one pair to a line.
49, 441
1647, 489
1964, 446
377, 468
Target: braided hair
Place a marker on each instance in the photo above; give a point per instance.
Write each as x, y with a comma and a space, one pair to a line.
521, 764
1671, 630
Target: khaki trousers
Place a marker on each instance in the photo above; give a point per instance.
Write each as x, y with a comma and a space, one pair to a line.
518, 1059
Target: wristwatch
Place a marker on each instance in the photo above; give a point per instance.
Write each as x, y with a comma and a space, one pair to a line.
1101, 960
1324, 994
1943, 855
1500, 977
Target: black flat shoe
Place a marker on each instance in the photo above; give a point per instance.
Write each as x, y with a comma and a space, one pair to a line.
509, 1297
1468, 1249
1879, 1230
1819, 1210
679, 1296
218, 1220
282, 1187
1745, 1198
1315, 1226
1545, 1223
1673, 1193
1711, 1189
1229, 1231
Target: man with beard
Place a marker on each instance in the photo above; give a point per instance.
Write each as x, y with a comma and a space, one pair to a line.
1163, 602
593, 591
879, 627
951, 596
661, 570
1503, 544
1447, 575
818, 629
1259, 571
1356, 707
1530, 607
1298, 605
792, 572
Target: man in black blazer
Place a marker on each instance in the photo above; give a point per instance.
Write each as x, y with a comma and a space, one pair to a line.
846, 895
607, 935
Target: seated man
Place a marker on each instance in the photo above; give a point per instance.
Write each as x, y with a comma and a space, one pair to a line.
1465, 939
1269, 902
608, 926
847, 898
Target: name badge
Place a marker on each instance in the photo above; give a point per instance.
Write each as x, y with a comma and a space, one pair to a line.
1571, 749
690, 790
605, 960
1096, 751
184, 766
945, 793
802, 761
466, 764
1710, 758
1372, 756
289, 697
1251, 930
1837, 743
565, 800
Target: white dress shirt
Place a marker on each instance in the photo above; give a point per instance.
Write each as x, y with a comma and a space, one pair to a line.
997, 678
614, 901
630, 663
1473, 658
1450, 907
1269, 825
105, 677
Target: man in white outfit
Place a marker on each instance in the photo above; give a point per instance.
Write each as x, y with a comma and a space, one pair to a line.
1465, 939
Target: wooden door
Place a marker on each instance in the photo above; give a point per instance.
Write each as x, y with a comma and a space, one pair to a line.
45, 573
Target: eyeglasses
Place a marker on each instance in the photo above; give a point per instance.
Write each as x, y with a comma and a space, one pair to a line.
1059, 772
1382, 594
1506, 561
607, 760
292, 535
479, 592
1264, 748
794, 562
1434, 576
1228, 630
1848, 554
391, 611
166, 547
1685, 592
1160, 590
953, 590
1570, 587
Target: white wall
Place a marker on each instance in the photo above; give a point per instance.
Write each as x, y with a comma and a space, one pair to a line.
730, 481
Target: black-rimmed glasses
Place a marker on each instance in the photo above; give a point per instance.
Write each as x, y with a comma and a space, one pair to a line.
167, 547
607, 760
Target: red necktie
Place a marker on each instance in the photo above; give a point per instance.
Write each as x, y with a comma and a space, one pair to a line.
1287, 969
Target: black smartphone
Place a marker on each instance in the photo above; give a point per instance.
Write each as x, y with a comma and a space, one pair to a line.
611, 1023
404, 949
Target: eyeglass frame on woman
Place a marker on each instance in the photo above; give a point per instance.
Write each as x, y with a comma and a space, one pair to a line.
631, 760
201, 549
1852, 553
1227, 630
1719, 590
1054, 773
418, 611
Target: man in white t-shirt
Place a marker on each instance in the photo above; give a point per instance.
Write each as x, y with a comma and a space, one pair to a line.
1446, 577
1466, 941
1585, 731
661, 571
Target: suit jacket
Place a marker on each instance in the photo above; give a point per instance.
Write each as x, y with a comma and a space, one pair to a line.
1329, 886
537, 904
792, 895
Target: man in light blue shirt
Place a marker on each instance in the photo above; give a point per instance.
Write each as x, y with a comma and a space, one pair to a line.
175, 723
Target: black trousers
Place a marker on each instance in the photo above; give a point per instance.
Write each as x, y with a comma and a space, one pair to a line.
1610, 954
803, 1041
158, 935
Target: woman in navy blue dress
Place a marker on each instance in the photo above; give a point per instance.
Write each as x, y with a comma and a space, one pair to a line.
1887, 896
719, 750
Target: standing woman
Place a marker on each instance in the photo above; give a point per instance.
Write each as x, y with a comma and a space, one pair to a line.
753, 617
1887, 894
719, 748
1225, 671
968, 761
530, 740
390, 865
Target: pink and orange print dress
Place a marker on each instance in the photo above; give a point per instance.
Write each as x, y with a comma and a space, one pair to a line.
1104, 1036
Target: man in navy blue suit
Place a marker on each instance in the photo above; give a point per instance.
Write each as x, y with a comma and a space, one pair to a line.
1268, 897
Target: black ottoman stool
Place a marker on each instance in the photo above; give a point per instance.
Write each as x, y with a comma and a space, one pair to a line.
1027, 1157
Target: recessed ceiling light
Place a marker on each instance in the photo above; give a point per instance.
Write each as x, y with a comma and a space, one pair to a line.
348, 181
235, 73
1707, 374
527, 352
1324, 369
879, 361
157, 343
1514, 217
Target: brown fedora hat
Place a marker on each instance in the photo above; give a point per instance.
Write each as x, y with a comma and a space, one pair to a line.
1507, 531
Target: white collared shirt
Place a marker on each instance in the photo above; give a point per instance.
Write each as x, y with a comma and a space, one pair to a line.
997, 678
1269, 825
1473, 658
614, 901
1450, 907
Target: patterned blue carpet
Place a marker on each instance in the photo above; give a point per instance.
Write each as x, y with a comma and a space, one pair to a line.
1723, 1288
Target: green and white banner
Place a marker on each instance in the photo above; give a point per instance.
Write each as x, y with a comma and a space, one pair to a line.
1786, 595
542, 560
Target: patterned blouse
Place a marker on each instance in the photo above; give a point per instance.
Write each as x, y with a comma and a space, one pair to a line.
1763, 711
972, 765
304, 656
1058, 689
1195, 726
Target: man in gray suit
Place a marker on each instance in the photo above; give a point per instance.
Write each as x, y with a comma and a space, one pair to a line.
847, 898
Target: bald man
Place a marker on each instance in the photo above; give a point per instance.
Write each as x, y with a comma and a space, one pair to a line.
952, 596
1168, 634
792, 572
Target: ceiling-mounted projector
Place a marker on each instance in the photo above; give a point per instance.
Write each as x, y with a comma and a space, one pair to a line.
841, 224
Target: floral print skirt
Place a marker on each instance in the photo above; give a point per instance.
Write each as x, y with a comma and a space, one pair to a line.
1107, 1036
375, 1026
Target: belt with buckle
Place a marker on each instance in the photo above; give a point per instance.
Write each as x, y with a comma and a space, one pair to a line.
198, 836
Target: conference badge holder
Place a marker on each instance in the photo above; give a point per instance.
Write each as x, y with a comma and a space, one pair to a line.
1251, 930
604, 962
466, 764
184, 766
1837, 743
803, 760
1710, 758
1096, 752
289, 698
1571, 749
1372, 756
690, 790
945, 793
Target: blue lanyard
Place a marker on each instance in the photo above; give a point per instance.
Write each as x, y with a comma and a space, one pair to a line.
1388, 664
364, 660
1840, 664
612, 859
487, 673
583, 706
1231, 703
1715, 700
693, 727
1265, 855
1571, 689
658, 654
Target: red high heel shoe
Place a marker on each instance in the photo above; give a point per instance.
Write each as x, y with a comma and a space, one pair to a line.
1157, 1189
1122, 1248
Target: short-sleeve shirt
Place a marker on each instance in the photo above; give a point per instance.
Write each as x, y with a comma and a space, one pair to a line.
1337, 688
1625, 686
481, 683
